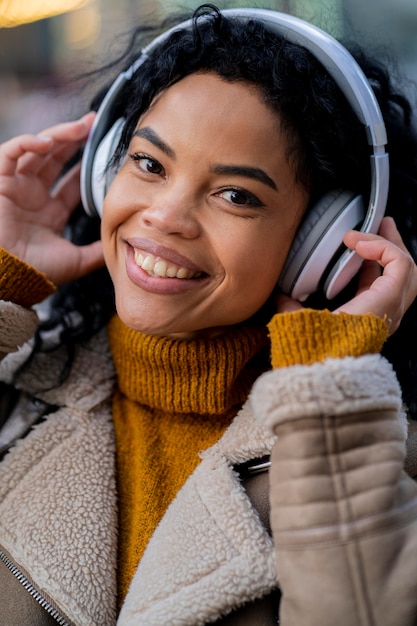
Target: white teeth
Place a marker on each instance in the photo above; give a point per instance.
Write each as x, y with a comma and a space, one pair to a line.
171, 271
160, 268
148, 264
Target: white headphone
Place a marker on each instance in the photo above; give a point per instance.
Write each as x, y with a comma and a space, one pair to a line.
317, 258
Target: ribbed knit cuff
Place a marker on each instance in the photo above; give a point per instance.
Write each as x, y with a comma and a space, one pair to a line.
21, 283
306, 336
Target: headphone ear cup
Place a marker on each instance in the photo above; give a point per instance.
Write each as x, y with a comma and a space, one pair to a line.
318, 240
101, 174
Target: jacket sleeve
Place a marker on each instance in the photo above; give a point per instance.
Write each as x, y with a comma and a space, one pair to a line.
343, 510
21, 286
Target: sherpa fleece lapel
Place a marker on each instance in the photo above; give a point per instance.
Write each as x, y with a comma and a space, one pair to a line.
210, 553
67, 547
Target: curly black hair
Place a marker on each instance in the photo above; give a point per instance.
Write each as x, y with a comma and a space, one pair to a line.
326, 140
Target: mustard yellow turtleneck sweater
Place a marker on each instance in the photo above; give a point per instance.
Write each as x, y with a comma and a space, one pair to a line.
176, 398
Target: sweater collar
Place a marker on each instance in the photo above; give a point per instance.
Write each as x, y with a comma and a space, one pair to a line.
204, 376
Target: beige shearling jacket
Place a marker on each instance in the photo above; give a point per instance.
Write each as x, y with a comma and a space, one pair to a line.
344, 512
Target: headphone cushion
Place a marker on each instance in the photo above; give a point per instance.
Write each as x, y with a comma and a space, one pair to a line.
323, 208
318, 239
101, 174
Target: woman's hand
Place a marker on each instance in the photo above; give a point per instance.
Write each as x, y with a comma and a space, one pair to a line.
34, 207
388, 277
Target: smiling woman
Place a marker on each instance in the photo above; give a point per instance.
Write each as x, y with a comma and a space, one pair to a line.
220, 208
181, 441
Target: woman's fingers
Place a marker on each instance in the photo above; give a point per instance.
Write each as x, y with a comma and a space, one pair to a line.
67, 191
79, 261
388, 230
67, 139
388, 281
286, 304
45, 154
14, 149
91, 258
62, 261
36, 201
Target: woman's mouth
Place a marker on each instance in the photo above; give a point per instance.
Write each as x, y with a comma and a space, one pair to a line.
159, 267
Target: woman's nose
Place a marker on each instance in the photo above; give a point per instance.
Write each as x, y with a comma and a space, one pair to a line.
173, 213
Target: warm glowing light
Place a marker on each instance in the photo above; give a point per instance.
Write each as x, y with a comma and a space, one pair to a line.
15, 12
82, 28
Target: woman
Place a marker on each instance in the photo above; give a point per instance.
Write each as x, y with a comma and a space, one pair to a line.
128, 488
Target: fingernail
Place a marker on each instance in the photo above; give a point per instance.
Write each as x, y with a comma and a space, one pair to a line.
86, 117
45, 138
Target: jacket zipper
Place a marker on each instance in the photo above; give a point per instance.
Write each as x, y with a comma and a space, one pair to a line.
36, 595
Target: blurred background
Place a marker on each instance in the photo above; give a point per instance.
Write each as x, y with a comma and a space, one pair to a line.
46, 46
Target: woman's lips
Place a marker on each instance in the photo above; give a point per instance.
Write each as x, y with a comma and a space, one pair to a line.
157, 266
161, 270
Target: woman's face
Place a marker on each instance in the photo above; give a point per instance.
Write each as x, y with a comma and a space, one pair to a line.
200, 217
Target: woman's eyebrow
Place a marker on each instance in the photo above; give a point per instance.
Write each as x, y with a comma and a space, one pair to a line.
256, 173
150, 135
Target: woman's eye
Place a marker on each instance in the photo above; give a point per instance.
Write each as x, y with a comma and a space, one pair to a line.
147, 164
240, 197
